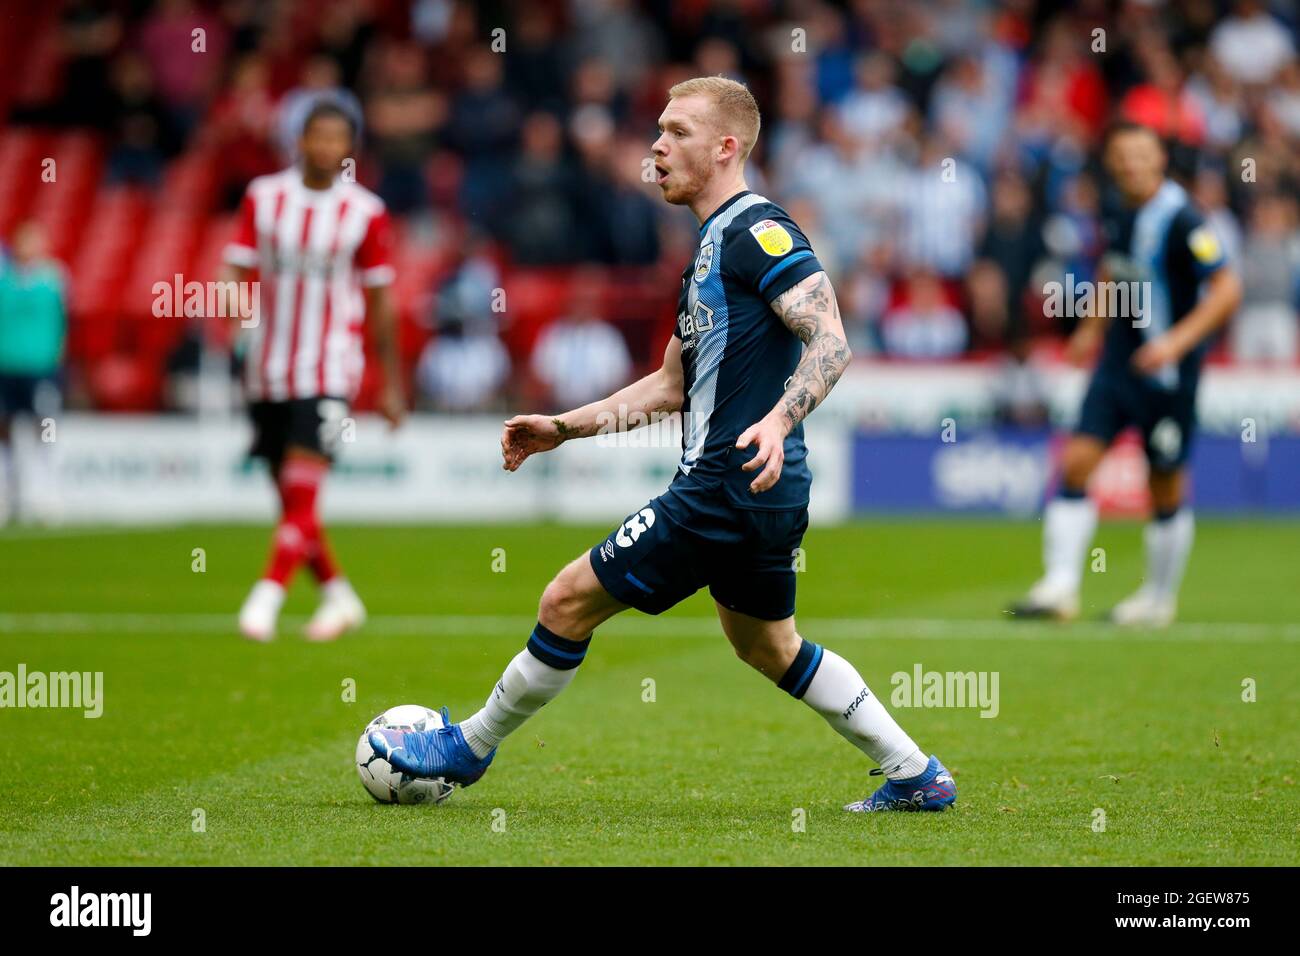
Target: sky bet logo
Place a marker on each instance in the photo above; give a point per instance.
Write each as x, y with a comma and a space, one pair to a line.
103, 909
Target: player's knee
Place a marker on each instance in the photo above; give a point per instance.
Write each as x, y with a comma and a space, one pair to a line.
564, 606
762, 655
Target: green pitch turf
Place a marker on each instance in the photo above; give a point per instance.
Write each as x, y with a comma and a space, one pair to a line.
1149, 729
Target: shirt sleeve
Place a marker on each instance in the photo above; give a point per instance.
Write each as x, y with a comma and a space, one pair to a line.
1197, 240
771, 255
375, 254
242, 248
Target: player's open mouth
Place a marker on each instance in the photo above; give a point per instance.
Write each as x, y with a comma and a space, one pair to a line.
661, 174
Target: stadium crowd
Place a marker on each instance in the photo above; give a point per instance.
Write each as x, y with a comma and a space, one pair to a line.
941, 155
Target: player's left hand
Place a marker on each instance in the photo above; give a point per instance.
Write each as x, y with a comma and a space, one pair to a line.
392, 405
1156, 354
770, 436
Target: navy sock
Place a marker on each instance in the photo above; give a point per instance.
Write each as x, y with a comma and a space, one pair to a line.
555, 651
800, 673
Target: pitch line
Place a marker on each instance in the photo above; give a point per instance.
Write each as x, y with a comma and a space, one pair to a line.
837, 628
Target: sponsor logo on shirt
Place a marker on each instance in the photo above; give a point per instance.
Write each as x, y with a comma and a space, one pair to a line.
772, 237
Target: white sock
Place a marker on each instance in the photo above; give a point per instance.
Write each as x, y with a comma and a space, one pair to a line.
838, 692
1068, 527
1169, 543
527, 685
337, 587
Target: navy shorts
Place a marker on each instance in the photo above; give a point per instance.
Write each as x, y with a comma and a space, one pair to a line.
691, 537
315, 424
1166, 419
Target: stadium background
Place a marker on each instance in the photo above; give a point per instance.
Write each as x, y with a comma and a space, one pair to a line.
941, 156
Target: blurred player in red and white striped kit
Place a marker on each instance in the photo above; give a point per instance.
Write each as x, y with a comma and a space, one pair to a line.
320, 247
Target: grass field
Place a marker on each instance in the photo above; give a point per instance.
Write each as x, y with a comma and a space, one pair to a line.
1149, 727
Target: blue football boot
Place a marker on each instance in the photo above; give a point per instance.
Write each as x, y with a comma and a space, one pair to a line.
432, 753
932, 789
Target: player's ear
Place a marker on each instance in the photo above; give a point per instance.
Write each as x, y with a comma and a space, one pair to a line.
730, 146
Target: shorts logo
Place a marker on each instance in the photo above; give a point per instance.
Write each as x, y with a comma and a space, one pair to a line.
704, 262
331, 411
634, 527
607, 550
772, 237
1167, 439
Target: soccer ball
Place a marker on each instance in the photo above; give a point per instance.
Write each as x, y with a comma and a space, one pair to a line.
379, 778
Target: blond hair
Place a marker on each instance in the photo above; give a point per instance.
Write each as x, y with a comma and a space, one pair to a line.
735, 112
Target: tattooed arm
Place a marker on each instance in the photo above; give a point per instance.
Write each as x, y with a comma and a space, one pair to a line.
809, 310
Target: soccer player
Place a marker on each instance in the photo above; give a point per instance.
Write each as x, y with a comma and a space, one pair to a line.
1180, 292
758, 345
322, 249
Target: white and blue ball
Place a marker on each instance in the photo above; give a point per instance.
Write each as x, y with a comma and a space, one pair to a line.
386, 784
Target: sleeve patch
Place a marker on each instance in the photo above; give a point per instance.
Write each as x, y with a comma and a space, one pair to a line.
772, 237
1204, 245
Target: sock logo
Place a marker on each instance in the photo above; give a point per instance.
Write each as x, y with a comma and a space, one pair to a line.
862, 695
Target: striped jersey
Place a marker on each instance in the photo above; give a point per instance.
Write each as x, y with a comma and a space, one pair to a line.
737, 354
314, 251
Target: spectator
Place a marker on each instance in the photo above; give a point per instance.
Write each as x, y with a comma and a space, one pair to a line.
33, 324
537, 215
1265, 329
483, 127
943, 212
185, 47
242, 129
875, 110
1011, 248
405, 115
144, 136
89, 37
580, 358
924, 324
1218, 99
971, 111
463, 370
1250, 44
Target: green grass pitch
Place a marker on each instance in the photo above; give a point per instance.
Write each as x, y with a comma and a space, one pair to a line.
1149, 728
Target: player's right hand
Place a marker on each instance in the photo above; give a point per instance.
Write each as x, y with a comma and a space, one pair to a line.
526, 434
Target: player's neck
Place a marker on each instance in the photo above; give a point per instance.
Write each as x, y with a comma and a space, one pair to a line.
1137, 202
709, 202
314, 179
